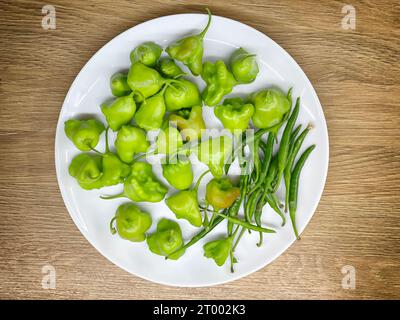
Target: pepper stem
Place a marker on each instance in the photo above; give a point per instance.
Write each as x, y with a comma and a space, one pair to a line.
140, 95
203, 33
107, 145
120, 195
95, 150
196, 187
113, 230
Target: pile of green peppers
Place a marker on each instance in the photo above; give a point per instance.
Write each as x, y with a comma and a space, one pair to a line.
156, 94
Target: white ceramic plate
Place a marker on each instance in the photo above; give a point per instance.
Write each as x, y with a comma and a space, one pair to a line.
92, 215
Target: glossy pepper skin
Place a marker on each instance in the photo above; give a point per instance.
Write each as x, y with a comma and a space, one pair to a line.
87, 169
169, 68
190, 122
142, 184
131, 222
221, 194
151, 113
169, 140
220, 81
186, 206
218, 250
189, 50
145, 81
119, 112
114, 170
178, 173
234, 114
119, 85
184, 94
166, 239
130, 141
214, 153
84, 134
270, 106
244, 66
147, 53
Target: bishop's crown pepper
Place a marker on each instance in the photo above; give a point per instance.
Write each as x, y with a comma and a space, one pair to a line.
221, 194
119, 112
220, 81
244, 66
146, 53
178, 172
218, 250
169, 140
190, 122
234, 114
130, 222
169, 68
166, 239
119, 85
189, 50
130, 141
84, 133
182, 94
87, 169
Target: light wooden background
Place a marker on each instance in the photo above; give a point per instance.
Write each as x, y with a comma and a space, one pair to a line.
356, 74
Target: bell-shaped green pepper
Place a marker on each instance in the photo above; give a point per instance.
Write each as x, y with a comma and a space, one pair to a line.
184, 94
221, 194
151, 112
270, 106
178, 172
147, 53
244, 66
130, 141
145, 81
141, 185
169, 68
234, 114
166, 239
87, 169
189, 50
119, 85
119, 112
84, 133
220, 81
184, 204
131, 222
169, 140
114, 170
218, 250
214, 153
190, 122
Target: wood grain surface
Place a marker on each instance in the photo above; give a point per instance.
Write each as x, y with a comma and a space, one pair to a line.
356, 74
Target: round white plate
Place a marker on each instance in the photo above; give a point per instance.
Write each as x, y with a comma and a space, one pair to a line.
92, 215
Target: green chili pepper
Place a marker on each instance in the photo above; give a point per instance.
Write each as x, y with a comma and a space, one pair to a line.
185, 205
189, 50
130, 141
184, 94
169, 140
87, 169
147, 53
151, 112
131, 223
270, 105
190, 122
167, 240
220, 193
84, 133
169, 68
218, 250
245, 224
145, 80
234, 114
214, 153
178, 173
289, 164
119, 85
294, 186
244, 66
285, 143
220, 81
142, 185
119, 112
234, 208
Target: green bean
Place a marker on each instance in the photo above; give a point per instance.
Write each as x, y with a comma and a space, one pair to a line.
245, 224
294, 186
284, 146
292, 156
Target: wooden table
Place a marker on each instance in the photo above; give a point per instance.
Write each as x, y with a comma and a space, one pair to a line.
356, 74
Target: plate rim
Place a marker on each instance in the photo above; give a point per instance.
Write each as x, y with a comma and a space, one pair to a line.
87, 235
